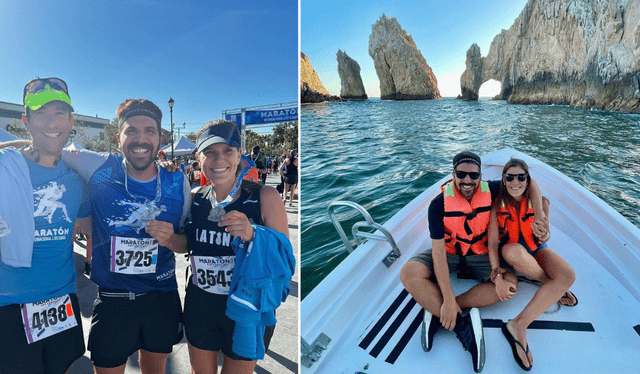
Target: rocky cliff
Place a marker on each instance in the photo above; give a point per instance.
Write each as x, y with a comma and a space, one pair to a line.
350, 79
402, 71
585, 53
311, 88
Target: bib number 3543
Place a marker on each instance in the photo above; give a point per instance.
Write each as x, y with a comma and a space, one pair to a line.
48, 317
213, 274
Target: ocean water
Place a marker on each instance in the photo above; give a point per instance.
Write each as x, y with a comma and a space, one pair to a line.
382, 154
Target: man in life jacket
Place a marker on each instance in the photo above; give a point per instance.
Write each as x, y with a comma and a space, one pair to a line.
458, 225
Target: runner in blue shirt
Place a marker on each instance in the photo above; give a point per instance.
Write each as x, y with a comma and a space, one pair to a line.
40, 324
138, 208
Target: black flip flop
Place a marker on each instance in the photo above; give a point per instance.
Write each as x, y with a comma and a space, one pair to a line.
565, 296
512, 342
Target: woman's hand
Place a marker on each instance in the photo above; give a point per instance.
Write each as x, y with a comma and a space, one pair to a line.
540, 227
237, 224
504, 288
168, 166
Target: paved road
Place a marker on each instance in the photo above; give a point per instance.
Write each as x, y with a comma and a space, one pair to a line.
282, 356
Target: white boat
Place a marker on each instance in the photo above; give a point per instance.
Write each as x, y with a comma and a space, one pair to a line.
360, 319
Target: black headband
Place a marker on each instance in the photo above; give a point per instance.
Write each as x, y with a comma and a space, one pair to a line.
139, 112
463, 160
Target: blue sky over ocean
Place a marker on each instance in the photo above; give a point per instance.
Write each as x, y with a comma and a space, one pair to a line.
443, 31
207, 55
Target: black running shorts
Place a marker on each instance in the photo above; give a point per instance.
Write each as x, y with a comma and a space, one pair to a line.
207, 326
53, 354
121, 326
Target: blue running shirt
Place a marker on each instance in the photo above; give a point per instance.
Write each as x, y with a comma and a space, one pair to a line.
125, 257
59, 197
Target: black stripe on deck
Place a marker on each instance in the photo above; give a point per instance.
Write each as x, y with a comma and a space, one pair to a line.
546, 325
364, 344
637, 328
402, 343
392, 329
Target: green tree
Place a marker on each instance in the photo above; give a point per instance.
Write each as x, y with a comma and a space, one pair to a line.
285, 137
107, 141
192, 136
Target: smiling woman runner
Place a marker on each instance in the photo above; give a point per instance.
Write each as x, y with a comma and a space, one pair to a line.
230, 207
512, 227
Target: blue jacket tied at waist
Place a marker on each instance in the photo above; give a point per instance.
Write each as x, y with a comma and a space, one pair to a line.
260, 283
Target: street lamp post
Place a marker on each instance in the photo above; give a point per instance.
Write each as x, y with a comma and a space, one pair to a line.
171, 110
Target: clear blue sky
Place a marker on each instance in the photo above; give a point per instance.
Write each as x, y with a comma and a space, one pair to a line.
208, 55
442, 29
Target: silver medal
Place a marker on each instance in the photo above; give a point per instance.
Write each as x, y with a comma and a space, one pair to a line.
216, 214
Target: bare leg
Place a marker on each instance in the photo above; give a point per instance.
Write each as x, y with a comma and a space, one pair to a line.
151, 362
416, 280
116, 370
560, 277
293, 188
483, 294
231, 366
284, 192
203, 361
415, 277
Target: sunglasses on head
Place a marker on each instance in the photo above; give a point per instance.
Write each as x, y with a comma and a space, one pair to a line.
521, 177
463, 174
39, 85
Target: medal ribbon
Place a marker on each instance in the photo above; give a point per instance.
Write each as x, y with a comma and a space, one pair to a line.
147, 201
232, 194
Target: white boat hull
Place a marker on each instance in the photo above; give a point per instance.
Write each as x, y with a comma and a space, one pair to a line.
374, 325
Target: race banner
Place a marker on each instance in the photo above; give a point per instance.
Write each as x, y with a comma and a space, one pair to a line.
257, 117
235, 118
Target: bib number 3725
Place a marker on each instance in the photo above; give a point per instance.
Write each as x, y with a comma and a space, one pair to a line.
48, 317
133, 256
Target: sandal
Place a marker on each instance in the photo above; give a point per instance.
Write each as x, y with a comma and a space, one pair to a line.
512, 342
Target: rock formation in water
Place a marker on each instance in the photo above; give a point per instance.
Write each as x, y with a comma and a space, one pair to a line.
402, 71
311, 88
584, 53
350, 79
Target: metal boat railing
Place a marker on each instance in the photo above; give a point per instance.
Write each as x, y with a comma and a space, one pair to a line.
359, 236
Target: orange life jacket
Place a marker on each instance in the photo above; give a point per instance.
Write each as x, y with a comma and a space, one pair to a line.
511, 224
466, 222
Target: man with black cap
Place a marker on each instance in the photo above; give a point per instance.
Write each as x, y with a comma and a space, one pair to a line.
138, 210
40, 199
261, 163
458, 224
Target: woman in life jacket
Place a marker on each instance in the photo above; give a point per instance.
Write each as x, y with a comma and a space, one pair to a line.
512, 231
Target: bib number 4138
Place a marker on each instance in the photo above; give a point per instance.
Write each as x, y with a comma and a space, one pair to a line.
48, 317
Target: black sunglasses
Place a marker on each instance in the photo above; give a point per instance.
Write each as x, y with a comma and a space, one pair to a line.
463, 174
521, 177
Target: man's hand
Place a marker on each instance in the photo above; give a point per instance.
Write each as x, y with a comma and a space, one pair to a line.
160, 231
449, 314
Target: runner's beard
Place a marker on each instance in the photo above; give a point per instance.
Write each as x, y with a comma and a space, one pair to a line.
137, 162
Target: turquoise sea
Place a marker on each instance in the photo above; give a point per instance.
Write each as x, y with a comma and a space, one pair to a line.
382, 154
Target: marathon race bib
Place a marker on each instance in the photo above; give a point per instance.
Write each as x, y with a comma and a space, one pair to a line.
48, 317
133, 255
213, 273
